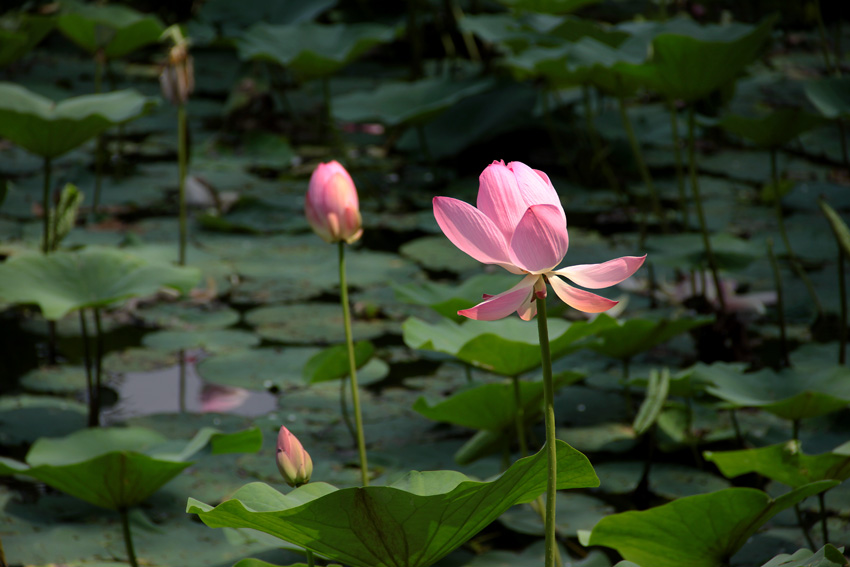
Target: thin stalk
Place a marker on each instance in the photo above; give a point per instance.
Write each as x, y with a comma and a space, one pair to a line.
468, 38
824, 43
792, 258
780, 308
627, 390
739, 437
45, 205
128, 537
352, 367
806, 533
680, 171
549, 417
641, 163
343, 408
599, 153
98, 364
795, 429
87, 361
519, 418
842, 293
824, 528
182, 381
181, 164
311, 561
99, 147
712, 261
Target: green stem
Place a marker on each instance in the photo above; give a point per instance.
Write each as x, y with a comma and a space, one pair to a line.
824, 527
795, 429
343, 408
842, 293
182, 381
128, 537
181, 195
824, 44
792, 258
352, 366
519, 418
549, 416
87, 361
712, 261
311, 561
780, 309
806, 533
641, 163
98, 364
99, 146
733, 414
45, 205
680, 172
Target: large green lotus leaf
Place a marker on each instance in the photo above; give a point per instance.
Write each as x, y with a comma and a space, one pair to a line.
93, 277
211, 340
625, 339
395, 103
696, 531
508, 347
548, 6
25, 418
310, 49
791, 393
55, 379
492, 406
830, 96
784, 462
333, 363
306, 323
19, 33
116, 29
689, 68
827, 556
413, 522
773, 130
116, 468
50, 129
232, 18
447, 299
189, 317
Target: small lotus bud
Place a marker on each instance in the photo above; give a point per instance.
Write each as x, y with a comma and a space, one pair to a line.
177, 78
293, 462
331, 205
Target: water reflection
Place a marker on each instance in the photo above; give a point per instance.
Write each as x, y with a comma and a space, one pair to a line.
144, 393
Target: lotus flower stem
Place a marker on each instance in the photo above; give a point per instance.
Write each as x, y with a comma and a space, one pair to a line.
549, 418
45, 206
181, 164
98, 368
842, 293
677, 155
824, 527
805, 531
712, 261
641, 163
87, 361
343, 407
355, 394
311, 561
780, 309
128, 537
792, 258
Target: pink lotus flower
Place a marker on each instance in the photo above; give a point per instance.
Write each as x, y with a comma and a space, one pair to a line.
520, 225
331, 204
293, 462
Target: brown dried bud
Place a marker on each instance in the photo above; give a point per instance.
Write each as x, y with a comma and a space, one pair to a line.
177, 78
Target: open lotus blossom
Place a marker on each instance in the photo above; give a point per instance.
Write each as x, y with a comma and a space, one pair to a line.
520, 225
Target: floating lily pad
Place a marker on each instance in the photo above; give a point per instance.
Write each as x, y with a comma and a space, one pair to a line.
257, 369
188, 317
51, 129
135, 359
830, 96
213, 340
791, 393
310, 49
316, 323
775, 129
573, 512
695, 531
687, 250
437, 253
610, 437
90, 278
491, 406
450, 506
116, 468
117, 30
23, 419
785, 463
619, 477
406, 103
447, 299
827, 556
55, 379
676, 481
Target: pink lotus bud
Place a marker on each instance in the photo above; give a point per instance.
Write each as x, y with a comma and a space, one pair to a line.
331, 205
293, 462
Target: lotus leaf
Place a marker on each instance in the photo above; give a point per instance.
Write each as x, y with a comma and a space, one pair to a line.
774, 130
827, 556
116, 468
19, 33
51, 129
413, 522
625, 339
89, 278
310, 49
548, 6
830, 96
785, 463
115, 29
697, 531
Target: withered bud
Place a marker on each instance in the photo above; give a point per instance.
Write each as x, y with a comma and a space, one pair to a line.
177, 78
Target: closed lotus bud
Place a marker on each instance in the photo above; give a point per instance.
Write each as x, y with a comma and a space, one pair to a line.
293, 462
177, 79
331, 206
